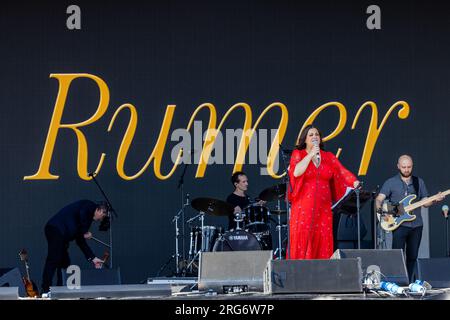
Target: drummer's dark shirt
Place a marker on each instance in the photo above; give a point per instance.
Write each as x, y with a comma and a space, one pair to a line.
236, 200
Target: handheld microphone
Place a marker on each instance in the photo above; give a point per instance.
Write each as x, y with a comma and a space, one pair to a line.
445, 211
92, 174
316, 143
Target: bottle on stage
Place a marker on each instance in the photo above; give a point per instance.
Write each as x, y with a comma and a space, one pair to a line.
415, 287
392, 287
423, 284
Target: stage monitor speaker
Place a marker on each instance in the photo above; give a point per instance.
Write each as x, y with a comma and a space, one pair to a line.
391, 262
233, 271
96, 277
435, 271
313, 276
11, 277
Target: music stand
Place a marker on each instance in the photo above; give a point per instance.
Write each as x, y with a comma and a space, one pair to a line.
351, 203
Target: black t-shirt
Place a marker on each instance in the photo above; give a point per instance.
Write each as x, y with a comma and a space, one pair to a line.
236, 200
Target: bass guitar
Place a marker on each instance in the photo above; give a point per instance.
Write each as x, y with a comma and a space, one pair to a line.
393, 215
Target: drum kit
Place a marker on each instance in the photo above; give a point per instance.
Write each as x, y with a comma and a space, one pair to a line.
252, 232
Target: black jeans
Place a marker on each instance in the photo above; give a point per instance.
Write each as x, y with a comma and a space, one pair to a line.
57, 257
411, 238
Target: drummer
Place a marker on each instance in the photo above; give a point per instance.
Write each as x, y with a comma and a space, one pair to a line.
239, 199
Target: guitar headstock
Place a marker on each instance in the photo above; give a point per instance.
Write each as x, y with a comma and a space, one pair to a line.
23, 254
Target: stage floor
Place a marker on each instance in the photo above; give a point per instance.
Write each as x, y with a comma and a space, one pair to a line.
185, 292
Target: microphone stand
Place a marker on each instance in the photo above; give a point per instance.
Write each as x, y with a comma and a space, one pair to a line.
101, 242
112, 216
287, 181
183, 205
358, 205
376, 234
358, 217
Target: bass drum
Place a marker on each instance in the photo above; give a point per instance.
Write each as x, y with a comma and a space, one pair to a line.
265, 239
238, 240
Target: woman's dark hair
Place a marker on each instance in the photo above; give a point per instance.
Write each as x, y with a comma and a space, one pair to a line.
235, 177
103, 205
301, 143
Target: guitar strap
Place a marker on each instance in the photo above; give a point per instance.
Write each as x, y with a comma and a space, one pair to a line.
415, 182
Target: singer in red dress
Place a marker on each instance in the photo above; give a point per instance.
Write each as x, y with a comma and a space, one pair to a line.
317, 179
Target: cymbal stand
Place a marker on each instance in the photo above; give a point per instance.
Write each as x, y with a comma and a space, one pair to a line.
175, 219
175, 256
193, 237
201, 215
279, 249
193, 241
177, 235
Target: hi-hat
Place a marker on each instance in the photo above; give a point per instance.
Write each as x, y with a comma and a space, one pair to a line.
212, 206
273, 193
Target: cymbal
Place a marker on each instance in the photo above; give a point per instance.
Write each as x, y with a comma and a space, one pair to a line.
212, 206
273, 193
278, 212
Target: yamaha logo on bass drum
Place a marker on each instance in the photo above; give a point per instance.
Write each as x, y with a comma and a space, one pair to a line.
238, 237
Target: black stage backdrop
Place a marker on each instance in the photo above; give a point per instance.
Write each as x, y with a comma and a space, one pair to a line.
186, 53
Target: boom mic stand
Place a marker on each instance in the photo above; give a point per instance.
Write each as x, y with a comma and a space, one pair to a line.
111, 214
376, 230
358, 218
284, 156
101, 242
184, 203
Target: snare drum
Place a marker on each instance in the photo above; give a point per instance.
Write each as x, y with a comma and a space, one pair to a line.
238, 240
256, 218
